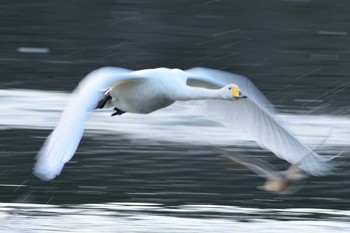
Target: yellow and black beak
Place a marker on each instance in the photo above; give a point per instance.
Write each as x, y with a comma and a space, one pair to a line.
236, 93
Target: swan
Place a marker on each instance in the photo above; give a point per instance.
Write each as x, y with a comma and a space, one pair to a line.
229, 98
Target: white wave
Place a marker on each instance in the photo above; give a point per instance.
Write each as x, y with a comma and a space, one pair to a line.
147, 217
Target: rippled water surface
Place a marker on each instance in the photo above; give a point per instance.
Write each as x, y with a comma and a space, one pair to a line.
161, 172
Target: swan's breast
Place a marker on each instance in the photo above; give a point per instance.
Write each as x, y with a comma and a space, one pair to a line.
140, 96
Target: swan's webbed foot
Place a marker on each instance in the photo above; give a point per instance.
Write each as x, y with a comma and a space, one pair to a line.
117, 112
104, 100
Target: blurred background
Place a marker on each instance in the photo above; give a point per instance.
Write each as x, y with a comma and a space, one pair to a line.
151, 173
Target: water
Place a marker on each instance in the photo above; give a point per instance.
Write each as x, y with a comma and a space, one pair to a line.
161, 172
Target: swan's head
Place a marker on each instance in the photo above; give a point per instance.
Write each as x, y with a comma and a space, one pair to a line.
232, 91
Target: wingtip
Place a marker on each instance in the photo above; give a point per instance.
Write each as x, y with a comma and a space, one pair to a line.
321, 168
45, 172
323, 165
43, 176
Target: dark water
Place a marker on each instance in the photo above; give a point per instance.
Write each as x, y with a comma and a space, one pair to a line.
151, 173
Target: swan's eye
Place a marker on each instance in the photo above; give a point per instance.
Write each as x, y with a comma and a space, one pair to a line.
229, 88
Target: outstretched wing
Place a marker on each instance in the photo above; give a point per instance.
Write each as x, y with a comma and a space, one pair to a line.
62, 143
254, 116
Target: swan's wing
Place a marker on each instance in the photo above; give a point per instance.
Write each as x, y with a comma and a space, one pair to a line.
62, 143
254, 117
258, 166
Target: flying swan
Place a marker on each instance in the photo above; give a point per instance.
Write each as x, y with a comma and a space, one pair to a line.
230, 98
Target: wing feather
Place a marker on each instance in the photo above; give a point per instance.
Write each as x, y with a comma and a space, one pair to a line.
63, 142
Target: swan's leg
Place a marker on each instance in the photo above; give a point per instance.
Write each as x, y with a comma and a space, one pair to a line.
104, 100
117, 112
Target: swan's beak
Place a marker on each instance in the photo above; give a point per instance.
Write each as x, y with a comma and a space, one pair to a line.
237, 94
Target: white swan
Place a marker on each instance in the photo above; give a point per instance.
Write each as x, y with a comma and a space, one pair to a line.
145, 91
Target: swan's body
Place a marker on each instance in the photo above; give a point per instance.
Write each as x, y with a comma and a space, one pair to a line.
155, 99
149, 94
145, 95
145, 91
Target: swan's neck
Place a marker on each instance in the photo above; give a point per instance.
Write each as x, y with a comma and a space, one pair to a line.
198, 93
